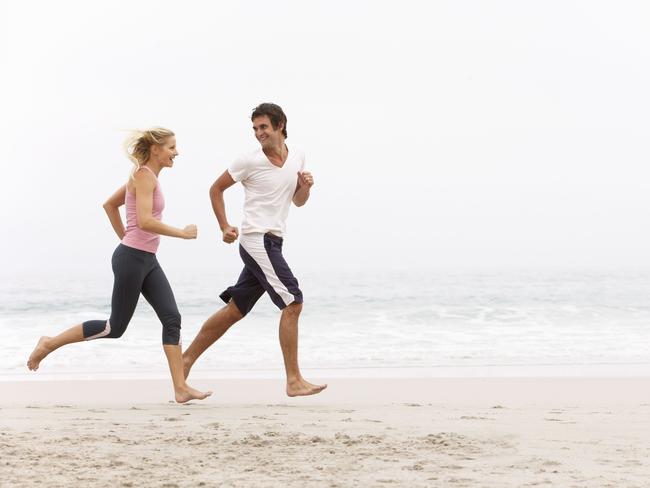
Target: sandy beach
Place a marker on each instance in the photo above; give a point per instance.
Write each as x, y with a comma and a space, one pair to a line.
583, 432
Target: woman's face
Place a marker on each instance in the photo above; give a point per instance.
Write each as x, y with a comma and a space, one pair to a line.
166, 152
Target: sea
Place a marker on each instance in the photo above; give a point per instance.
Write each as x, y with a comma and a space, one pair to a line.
382, 324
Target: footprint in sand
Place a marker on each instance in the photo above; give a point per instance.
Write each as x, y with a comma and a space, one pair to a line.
551, 463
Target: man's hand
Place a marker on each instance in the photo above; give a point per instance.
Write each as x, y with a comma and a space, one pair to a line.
305, 179
230, 234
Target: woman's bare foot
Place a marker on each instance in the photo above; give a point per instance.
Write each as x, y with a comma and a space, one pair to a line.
187, 393
39, 353
303, 387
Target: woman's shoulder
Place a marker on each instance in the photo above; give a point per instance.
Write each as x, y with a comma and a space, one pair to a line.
143, 179
144, 175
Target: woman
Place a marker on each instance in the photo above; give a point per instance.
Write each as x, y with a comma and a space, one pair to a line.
135, 266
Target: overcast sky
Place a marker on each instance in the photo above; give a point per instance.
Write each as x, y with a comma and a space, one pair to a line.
446, 134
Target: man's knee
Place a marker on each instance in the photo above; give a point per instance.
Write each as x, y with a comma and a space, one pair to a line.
294, 308
232, 312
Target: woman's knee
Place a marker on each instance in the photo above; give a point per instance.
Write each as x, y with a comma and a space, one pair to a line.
172, 328
117, 330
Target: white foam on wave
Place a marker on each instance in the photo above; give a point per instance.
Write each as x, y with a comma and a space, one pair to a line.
424, 323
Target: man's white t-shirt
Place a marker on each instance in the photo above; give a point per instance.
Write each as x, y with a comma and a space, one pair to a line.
268, 190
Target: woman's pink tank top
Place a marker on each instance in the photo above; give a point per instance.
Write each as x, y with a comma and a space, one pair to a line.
134, 236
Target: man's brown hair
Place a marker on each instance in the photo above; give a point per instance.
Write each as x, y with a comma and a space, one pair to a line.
274, 113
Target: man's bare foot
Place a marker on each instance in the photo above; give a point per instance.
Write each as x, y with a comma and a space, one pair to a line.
302, 387
188, 393
39, 353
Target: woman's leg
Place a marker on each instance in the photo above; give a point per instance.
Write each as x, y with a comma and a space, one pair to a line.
182, 391
158, 292
46, 345
128, 277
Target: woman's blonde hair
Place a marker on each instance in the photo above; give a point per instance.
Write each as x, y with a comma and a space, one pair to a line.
138, 144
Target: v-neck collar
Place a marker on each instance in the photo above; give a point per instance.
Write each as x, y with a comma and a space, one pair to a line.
271, 162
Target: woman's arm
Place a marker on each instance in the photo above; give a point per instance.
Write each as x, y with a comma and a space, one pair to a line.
145, 184
112, 208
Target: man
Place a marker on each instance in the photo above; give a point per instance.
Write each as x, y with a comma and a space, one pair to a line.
273, 177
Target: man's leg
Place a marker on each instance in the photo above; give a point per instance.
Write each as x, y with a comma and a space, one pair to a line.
239, 299
296, 384
212, 329
262, 255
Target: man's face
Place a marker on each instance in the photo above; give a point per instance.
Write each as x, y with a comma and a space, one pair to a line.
265, 133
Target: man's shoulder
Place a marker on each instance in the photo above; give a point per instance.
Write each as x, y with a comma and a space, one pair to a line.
296, 151
297, 154
251, 156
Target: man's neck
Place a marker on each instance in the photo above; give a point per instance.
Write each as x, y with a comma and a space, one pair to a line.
277, 154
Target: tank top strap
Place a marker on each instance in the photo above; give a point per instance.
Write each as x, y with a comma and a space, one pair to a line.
147, 168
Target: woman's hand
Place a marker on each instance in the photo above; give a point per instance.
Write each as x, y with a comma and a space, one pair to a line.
190, 232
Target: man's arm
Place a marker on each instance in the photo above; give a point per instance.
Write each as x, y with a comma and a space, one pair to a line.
220, 185
305, 182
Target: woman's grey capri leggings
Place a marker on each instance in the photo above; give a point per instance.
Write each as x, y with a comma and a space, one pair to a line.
137, 272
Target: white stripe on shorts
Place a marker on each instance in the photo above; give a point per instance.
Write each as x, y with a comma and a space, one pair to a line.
253, 244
